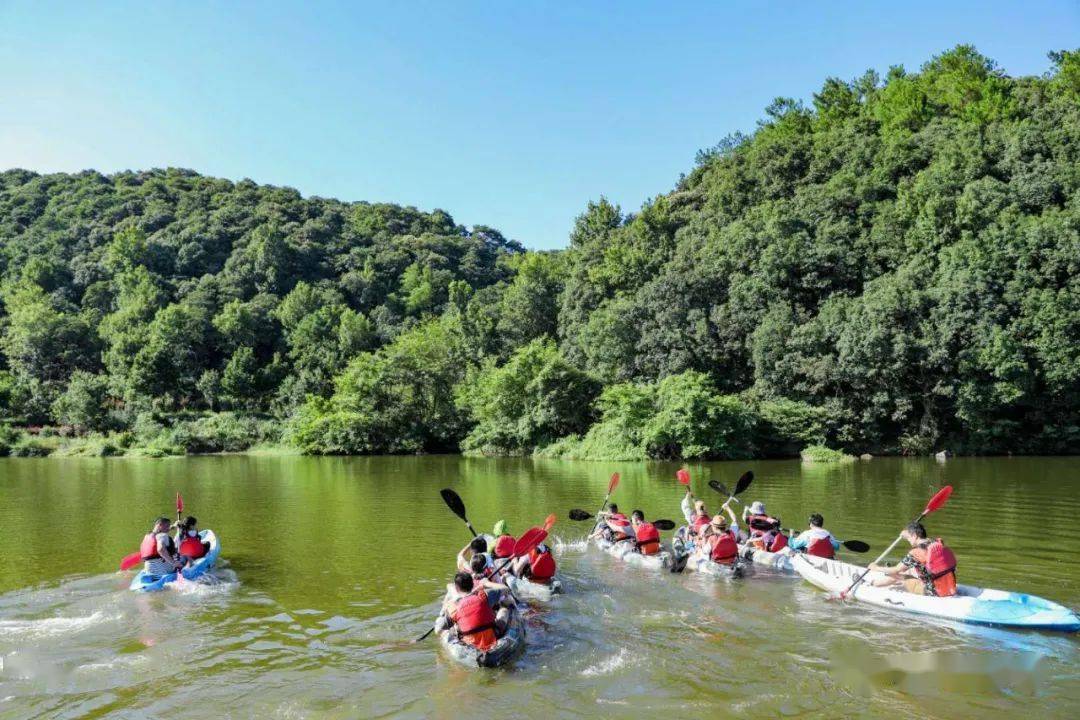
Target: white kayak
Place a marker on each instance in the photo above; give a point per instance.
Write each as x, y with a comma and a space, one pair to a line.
508, 647
526, 589
779, 561
626, 552
970, 604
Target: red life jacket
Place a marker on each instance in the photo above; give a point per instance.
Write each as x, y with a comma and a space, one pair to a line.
148, 548
822, 547
504, 546
192, 547
541, 566
779, 542
699, 522
648, 539
620, 525
939, 563
722, 548
475, 620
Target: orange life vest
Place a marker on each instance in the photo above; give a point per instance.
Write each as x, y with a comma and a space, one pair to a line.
779, 542
148, 547
475, 620
504, 546
700, 522
620, 525
648, 539
541, 566
937, 563
722, 548
822, 547
192, 547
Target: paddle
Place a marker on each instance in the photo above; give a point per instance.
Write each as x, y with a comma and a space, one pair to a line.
549, 522
453, 501
131, 561
576, 514
936, 503
612, 484
740, 486
523, 546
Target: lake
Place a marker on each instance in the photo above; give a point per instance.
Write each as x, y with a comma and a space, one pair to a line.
331, 566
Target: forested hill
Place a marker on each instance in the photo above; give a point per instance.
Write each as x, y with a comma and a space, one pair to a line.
894, 267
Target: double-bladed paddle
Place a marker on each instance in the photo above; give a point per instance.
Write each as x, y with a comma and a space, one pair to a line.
936, 503
453, 501
523, 546
740, 485
857, 546
577, 514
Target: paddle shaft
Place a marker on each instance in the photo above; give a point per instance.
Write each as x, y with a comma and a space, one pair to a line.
880, 557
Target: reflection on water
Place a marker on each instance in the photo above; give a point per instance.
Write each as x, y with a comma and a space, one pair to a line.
333, 565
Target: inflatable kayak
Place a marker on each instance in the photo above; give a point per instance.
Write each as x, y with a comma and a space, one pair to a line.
504, 651
146, 582
625, 551
780, 561
970, 605
686, 560
526, 589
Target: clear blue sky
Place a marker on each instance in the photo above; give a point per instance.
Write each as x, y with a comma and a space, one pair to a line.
508, 114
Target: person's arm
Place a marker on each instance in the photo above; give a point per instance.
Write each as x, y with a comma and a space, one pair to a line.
797, 542
163, 551
492, 585
462, 560
834, 541
687, 507
897, 570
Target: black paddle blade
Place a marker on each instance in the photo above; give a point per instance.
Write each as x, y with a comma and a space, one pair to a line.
744, 481
576, 514
856, 546
664, 524
453, 501
719, 487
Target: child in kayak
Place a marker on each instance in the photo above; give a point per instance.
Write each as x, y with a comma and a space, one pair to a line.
477, 546
613, 526
189, 544
503, 547
719, 542
816, 540
484, 576
538, 566
929, 568
697, 519
764, 529
646, 536
469, 610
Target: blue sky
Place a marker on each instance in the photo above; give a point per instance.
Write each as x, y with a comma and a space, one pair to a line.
513, 115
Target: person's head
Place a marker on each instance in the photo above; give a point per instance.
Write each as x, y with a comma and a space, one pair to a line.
463, 582
699, 507
914, 533
637, 517
614, 508
478, 563
817, 521
499, 529
757, 508
161, 524
190, 524
719, 522
478, 545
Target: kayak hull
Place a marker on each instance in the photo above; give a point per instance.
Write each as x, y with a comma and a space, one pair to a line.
974, 605
526, 589
146, 582
625, 551
781, 561
506, 650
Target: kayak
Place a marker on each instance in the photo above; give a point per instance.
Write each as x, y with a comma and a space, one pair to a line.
145, 582
504, 651
970, 605
780, 561
526, 589
692, 562
625, 551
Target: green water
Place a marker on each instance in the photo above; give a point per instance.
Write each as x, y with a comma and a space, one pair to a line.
331, 565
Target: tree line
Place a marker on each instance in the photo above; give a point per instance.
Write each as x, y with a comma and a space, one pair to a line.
893, 267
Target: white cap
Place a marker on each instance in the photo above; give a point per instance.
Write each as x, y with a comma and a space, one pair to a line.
757, 508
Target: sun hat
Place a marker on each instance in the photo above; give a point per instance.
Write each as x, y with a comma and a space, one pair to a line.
719, 521
757, 508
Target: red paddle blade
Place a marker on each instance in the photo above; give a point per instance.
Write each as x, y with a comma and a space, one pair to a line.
549, 522
684, 476
179, 504
531, 538
131, 561
938, 500
613, 484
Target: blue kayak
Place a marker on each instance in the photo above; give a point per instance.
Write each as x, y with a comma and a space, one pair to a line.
146, 582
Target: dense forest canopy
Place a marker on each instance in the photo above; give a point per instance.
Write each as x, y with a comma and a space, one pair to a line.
894, 267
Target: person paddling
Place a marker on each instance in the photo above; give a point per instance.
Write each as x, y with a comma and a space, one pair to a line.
929, 568
646, 535
614, 526
158, 550
468, 609
816, 540
764, 529
477, 546
484, 576
189, 544
538, 566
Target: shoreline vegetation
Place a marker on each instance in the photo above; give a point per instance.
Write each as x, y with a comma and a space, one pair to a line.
892, 268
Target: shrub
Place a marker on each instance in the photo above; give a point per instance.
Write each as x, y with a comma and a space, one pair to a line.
822, 454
